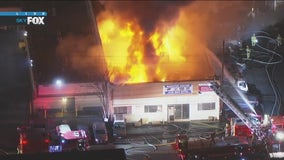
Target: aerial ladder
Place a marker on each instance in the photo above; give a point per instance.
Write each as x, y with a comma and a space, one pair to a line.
247, 119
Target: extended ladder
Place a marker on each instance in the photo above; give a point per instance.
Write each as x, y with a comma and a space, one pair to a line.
247, 119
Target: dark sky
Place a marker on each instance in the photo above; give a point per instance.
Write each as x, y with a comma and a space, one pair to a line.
65, 18
14, 81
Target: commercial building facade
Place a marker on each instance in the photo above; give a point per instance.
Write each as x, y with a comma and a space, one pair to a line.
164, 102
143, 102
70, 99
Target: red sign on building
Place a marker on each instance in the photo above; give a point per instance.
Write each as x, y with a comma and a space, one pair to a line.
204, 88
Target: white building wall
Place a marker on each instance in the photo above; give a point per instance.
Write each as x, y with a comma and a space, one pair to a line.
138, 109
192, 99
196, 114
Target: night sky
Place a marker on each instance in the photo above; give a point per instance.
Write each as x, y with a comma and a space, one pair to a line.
65, 18
15, 82
15, 79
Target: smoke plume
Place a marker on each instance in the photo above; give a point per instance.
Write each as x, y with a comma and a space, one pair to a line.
196, 28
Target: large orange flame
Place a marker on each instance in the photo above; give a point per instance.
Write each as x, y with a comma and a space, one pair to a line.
169, 52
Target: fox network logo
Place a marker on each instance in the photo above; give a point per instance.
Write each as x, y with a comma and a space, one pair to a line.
31, 18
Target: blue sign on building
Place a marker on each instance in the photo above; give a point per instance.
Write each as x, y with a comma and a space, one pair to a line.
177, 89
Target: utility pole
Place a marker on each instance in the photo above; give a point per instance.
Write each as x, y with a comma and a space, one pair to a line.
223, 59
95, 30
222, 72
27, 50
105, 84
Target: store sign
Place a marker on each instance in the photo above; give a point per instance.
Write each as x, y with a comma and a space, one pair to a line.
177, 89
204, 88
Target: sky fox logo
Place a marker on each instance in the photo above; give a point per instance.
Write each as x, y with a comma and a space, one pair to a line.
35, 20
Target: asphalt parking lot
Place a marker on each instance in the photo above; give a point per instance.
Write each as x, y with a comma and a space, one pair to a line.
165, 133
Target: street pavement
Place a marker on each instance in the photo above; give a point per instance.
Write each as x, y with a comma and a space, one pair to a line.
157, 141
140, 145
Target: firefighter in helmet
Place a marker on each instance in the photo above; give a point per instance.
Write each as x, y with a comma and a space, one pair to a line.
227, 130
182, 144
248, 50
253, 40
279, 40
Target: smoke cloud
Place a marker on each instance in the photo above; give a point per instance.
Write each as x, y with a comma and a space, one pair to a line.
204, 25
82, 57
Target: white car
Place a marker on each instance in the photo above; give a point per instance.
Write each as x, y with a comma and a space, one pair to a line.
242, 85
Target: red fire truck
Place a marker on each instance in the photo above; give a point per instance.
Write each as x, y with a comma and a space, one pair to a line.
239, 128
68, 140
277, 123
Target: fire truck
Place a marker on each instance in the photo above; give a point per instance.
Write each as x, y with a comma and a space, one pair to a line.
239, 128
247, 128
247, 123
66, 139
277, 123
243, 124
268, 132
277, 132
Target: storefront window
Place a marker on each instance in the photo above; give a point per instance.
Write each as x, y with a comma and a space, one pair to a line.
206, 106
152, 108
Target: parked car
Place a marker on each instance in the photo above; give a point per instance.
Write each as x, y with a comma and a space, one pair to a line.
100, 132
32, 139
119, 129
242, 85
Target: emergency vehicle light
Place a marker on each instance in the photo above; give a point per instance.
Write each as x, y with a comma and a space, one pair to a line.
280, 136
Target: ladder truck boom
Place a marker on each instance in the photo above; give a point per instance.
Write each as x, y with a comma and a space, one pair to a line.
248, 120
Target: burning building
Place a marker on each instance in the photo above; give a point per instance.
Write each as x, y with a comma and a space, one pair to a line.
158, 62
150, 47
143, 47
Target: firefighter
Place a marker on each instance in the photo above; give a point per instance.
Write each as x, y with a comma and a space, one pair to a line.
212, 138
109, 126
183, 145
227, 130
248, 50
251, 13
22, 45
279, 40
253, 40
253, 138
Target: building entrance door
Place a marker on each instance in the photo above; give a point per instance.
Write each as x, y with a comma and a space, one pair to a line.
178, 112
